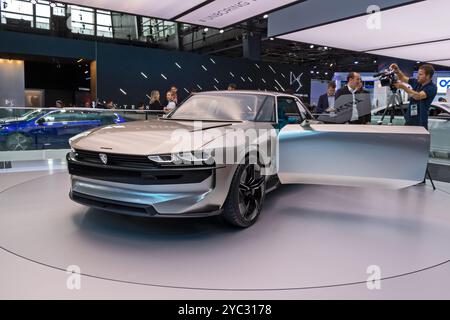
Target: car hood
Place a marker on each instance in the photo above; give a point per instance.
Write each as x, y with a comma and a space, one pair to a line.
150, 137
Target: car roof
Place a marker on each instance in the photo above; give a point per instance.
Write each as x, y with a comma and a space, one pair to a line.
443, 105
256, 92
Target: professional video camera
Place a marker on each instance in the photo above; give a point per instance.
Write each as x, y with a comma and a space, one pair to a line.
387, 78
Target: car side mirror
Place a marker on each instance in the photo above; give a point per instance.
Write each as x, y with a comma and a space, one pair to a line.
41, 121
306, 124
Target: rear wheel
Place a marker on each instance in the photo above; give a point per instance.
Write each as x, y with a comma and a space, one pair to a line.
246, 196
18, 141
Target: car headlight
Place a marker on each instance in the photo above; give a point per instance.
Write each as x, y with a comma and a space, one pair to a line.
78, 136
184, 158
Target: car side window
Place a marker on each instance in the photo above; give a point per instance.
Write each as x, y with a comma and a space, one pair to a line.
287, 108
304, 112
433, 111
52, 117
267, 110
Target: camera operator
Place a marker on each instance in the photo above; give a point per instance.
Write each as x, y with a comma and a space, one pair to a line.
421, 95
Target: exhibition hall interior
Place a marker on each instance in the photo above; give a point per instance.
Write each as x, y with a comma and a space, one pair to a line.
225, 149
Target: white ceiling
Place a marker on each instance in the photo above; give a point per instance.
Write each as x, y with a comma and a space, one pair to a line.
216, 14
414, 23
443, 62
164, 9
223, 13
419, 52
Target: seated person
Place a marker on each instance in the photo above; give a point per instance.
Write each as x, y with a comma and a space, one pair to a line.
282, 117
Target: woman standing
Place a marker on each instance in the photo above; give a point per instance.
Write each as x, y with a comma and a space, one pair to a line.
155, 104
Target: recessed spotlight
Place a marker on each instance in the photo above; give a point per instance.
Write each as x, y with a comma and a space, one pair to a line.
311, 46
265, 16
222, 31
271, 39
356, 62
205, 30
326, 48
418, 61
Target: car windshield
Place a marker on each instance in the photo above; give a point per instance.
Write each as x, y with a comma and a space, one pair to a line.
32, 114
224, 107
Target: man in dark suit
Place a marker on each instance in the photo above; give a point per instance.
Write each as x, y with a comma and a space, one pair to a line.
347, 95
326, 100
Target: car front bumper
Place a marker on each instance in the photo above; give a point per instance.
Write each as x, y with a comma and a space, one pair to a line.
204, 197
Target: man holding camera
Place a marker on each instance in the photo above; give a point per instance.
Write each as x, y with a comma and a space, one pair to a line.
421, 94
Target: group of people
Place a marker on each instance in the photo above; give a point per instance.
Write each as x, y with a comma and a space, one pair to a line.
421, 91
171, 101
154, 104
327, 102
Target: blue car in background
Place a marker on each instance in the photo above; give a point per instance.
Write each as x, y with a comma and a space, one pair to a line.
51, 129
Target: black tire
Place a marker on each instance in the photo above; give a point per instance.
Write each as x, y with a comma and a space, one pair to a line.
246, 196
18, 141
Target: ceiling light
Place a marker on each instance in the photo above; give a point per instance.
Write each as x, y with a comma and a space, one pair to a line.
311, 46
205, 30
271, 39
265, 16
219, 14
352, 33
221, 31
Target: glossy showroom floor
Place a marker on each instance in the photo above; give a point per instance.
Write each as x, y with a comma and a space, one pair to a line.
311, 242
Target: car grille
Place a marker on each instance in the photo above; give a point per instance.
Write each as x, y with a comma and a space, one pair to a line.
120, 160
144, 177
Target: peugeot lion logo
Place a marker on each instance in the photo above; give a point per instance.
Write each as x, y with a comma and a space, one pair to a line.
103, 158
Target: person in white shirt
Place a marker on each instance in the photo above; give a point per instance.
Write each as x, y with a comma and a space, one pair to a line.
170, 103
354, 83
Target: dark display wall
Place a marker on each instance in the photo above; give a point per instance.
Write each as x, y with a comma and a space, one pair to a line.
127, 74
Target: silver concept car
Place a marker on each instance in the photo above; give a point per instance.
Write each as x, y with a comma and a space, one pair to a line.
219, 153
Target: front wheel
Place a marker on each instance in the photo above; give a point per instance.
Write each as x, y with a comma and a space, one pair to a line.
246, 195
18, 141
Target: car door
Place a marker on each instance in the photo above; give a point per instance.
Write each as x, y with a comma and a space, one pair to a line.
352, 155
61, 125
